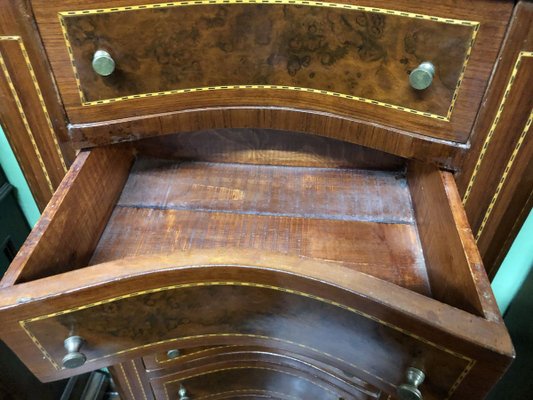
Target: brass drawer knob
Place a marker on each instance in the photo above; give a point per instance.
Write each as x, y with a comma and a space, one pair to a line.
409, 390
174, 353
74, 357
183, 393
421, 77
103, 63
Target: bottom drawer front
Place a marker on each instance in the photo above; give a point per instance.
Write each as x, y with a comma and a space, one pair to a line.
219, 313
249, 381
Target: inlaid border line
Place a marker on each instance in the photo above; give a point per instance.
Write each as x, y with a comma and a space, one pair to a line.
39, 95
495, 123
505, 174
249, 391
193, 353
446, 118
25, 122
23, 323
139, 379
127, 381
165, 384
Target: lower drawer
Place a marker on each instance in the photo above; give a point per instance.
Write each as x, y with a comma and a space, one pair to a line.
367, 272
260, 375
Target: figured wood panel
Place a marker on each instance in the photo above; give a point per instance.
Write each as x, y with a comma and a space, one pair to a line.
68, 231
222, 310
340, 194
496, 177
454, 267
376, 51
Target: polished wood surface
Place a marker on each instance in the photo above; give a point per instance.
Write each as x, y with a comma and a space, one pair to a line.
31, 115
167, 206
367, 46
259, 372
496, 176
266, 147
338, 50
67, 233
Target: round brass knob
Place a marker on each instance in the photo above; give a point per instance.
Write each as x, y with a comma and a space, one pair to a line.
183, 393
409, 390
74, 357
103, 63
421, 77
173, 353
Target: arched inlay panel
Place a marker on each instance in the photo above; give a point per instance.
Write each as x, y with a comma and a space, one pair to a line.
219, 312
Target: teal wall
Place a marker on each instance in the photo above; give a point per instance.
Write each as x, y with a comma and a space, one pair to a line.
16, 178
516, 266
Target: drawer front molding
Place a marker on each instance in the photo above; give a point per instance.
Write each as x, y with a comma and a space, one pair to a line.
442, 115
31, 327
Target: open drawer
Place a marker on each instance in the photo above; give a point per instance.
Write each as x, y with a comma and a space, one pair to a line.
370, 272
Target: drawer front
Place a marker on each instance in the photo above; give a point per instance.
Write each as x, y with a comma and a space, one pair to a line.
190, 315
331, 49
175, 356
351, 60
257, 379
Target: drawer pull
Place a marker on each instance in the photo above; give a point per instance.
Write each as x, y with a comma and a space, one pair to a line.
74, 357
409, 390
103, 63
171, 354
183, 393
421, 77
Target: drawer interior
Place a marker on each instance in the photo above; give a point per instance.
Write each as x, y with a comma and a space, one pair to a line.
403, 224
362, 219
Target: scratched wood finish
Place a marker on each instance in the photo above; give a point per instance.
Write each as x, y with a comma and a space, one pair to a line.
496, 174
167, 206
493, 17
266, 147
67, 233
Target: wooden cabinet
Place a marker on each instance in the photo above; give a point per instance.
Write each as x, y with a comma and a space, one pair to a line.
260, 191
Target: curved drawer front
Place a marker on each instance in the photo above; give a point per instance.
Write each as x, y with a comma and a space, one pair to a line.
268, 380
220, 313
360, 54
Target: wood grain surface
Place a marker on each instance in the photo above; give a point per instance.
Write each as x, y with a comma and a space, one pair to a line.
496, 174
266, 147
338, 50
31, 115
397, 36
311, 212
65, 236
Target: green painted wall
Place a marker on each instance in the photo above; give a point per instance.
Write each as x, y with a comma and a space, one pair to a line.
516, 266
16, 178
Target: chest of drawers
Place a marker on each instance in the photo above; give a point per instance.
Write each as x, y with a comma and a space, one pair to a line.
260, 206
